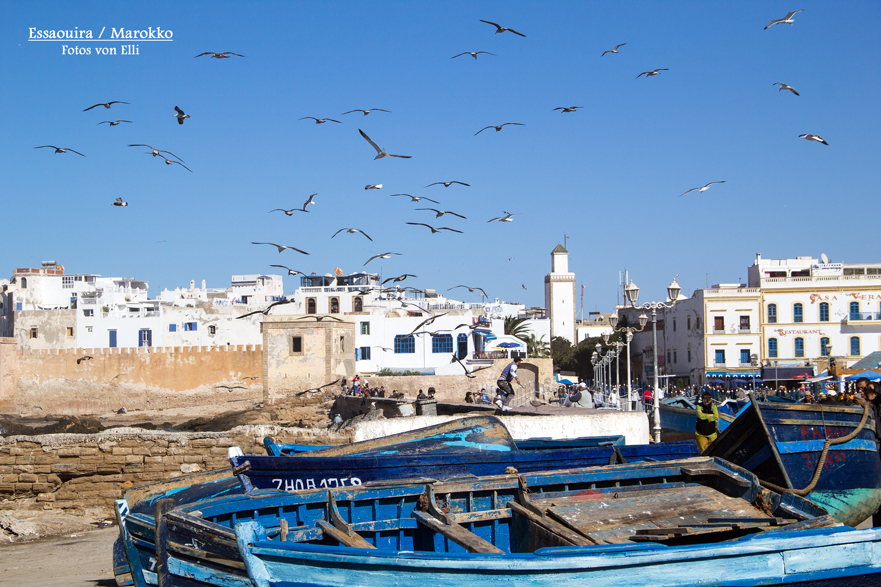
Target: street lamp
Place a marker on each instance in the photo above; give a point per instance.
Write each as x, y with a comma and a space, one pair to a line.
593, 362
632, 293
617, 346
628, 330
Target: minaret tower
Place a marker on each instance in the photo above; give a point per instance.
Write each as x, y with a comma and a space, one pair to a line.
560, 295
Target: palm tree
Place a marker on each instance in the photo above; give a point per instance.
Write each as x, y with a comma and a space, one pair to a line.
538, 347
516, 327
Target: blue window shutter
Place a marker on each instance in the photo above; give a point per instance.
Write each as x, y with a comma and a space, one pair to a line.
358, 354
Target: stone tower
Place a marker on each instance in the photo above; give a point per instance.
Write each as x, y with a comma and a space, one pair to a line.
560, 295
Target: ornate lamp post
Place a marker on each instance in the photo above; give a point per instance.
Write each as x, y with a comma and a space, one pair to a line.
600, 364
632, 293
617, 346
593, 361
628, 330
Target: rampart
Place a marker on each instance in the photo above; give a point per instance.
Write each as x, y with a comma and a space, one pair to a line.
68, 471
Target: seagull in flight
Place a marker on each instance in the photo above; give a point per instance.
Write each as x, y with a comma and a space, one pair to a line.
352, 231
317, 389
366, 112
501, 29
473, 54
113, 122
382, 256
468, 374
292, 210
442, 212
119, 202
229, 388
156, 151
266, 310
701, 189
83, 358
106, 104
785, 20
447, 184
417, 198
810, 137
653, 72
59, 149
399, 278
615, 50
281, 247
290, 271
371, 186
785, 87
224, 55
506, 218
180, 115
499, 127
169, 162
523, 286
380, 152
428, 321
320, 120
568, 108
433, 229
470, 289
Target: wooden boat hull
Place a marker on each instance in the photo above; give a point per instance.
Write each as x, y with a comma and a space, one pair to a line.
309, 471
202, 547
782, 442
683, 420
828, 556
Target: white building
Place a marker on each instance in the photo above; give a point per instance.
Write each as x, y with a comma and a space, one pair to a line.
790, 318
560, 296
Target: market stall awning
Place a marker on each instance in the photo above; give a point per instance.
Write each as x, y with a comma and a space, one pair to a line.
718, 374
783, 373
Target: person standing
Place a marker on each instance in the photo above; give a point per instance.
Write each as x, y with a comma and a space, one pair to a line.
508, 375
707, 425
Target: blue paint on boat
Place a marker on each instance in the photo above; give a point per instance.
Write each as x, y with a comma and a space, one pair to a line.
781, 442
679, 415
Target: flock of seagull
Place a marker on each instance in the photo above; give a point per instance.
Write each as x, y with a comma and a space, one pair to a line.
381, 152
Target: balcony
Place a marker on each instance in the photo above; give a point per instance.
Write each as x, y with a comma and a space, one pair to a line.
718, 363
857, 317
718, 331
744, 330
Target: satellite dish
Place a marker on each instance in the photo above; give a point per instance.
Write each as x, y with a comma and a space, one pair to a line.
339, 272
824, 258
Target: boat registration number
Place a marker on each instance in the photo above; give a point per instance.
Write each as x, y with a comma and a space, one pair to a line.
301, 484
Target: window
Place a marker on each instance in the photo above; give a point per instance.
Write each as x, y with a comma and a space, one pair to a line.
88, 329
310, 306
362, 353
212, 329
462, 343
296, 345
365, 328
405, 344
442, 343
688, 322
358, 305
674, 356
172, 327
772, 348
189, 326
854, 345
772, 313
334, 305
674, 324
33, 333
720, 357
744, 323
799, 347
70, 331
798, 313
668, 358
112, 339
18, 306
145, 337
719, 324
342, 344
689, 355
744, 356
824, 347
88, 313
854, 311
824, 312
24, 283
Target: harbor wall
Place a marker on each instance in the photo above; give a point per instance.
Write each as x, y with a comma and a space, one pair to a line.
79, 471
634, 426
51, 381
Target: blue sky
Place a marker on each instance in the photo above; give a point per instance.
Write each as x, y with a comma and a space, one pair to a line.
608, 175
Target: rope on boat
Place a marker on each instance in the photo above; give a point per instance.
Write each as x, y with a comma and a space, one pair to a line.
829, 442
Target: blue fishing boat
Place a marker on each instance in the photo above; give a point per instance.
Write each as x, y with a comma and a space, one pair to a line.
783, 442
276, 449
695, 522
689, 500
679, 418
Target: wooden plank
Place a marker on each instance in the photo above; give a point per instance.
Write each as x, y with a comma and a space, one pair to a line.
554, 526
353, 540
716, 472
458, 534
162, 506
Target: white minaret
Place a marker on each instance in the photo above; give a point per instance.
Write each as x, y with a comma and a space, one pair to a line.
560, 295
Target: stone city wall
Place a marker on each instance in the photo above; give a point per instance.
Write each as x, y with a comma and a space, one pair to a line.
65, 471
53, 382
